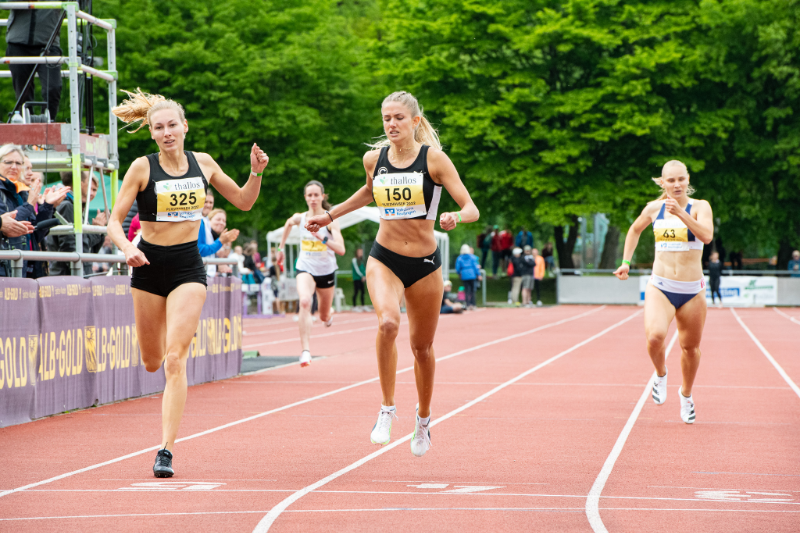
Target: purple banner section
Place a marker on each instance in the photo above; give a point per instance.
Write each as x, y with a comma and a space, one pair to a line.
68, 343
19, 339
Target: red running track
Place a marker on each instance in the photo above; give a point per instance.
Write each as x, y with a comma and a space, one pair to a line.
542, 422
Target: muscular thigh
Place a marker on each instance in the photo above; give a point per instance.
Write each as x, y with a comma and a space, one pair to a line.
150, 311
325, 297
691, 319
423, 304
305, 285
385, 289
184, 306
658, 311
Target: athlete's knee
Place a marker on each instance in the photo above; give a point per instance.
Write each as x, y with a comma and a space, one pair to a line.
691, 352
152, 365
422, 352
305, 303
389, 326
174, 365
656, 338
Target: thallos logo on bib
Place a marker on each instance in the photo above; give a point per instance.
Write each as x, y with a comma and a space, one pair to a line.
180, 199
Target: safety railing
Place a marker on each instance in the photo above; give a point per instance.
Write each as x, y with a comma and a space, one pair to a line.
17, 257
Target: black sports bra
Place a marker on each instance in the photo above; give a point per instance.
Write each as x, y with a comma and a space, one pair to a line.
173, 199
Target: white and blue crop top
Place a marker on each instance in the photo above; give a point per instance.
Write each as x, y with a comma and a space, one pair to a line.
672, 235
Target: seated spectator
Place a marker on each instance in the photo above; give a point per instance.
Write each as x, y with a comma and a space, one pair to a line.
66, 243
449, 306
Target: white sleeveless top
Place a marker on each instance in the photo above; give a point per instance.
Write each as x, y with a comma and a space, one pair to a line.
315, 257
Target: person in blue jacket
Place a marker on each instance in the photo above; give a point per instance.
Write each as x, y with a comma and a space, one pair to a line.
470, 271
524, 238
208, 245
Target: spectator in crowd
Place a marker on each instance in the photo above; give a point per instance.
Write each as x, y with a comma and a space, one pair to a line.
497, 250
225, 271
218, 221
516, 268
485, 244
736, 259
249, 268
547, 255
206, 242
527, 275
524, 238
506, 246
714, 277
66, 243
30, 207
256, 255
468, 269
34, 180
238, 254
794, 264
359, 273
106, 249
29, 31
449, 306
538, 275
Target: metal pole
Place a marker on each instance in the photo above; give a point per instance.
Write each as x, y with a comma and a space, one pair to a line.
558, 280
75, 122
483, 286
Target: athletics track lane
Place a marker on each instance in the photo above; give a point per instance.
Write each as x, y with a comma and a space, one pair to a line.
735, 469
120, 428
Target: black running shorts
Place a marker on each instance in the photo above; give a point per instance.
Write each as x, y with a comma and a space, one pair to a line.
170, 267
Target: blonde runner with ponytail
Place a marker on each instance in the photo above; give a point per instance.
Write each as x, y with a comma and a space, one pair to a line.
140, 106
424, 133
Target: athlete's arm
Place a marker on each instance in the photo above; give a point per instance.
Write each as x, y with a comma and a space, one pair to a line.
360, 198
241, 197
443, 171
293, 220
632, 238
702, 226
134, 181
337, 243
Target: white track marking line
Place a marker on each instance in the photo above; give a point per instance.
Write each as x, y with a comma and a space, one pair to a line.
389, 509
295, 339
266, 522
793, 319
593, 499
295, 404
317, 325
772, 360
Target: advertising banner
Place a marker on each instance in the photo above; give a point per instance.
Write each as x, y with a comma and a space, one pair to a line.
69, 343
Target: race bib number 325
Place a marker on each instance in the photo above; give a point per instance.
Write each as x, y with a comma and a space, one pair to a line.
399, 195
180, 200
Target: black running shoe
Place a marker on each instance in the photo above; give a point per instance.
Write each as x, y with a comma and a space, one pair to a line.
163, 466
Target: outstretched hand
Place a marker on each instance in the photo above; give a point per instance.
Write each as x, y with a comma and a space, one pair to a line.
258, 159
313, 224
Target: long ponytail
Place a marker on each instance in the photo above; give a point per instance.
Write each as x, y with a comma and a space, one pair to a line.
139, 106
325, 204
424, 133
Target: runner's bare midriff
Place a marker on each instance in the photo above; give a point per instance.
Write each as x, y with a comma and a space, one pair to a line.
410, 238
679, 266
170, 233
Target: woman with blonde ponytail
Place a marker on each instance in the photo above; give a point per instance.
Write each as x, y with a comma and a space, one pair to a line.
681, 226
316, 263
405, 175
169, 281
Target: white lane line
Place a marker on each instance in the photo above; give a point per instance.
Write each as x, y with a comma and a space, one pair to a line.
296, 339
793, 319
593, 499
316, 325
389, 509
266, 522
772, 360
295, 404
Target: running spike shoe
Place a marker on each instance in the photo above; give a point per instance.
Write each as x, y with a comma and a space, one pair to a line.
305, 358
687, 408
329, 323
382, 430
421, 441
660, 389
163, 466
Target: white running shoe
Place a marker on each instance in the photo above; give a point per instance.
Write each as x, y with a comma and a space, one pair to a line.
305, 358
382, 430
687, 408
421, 441
329, 322
660, 389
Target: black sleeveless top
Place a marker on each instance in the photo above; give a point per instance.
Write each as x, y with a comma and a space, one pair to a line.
407, 193
173, 199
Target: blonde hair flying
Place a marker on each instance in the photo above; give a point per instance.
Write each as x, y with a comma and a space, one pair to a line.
140, 106
424, 133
